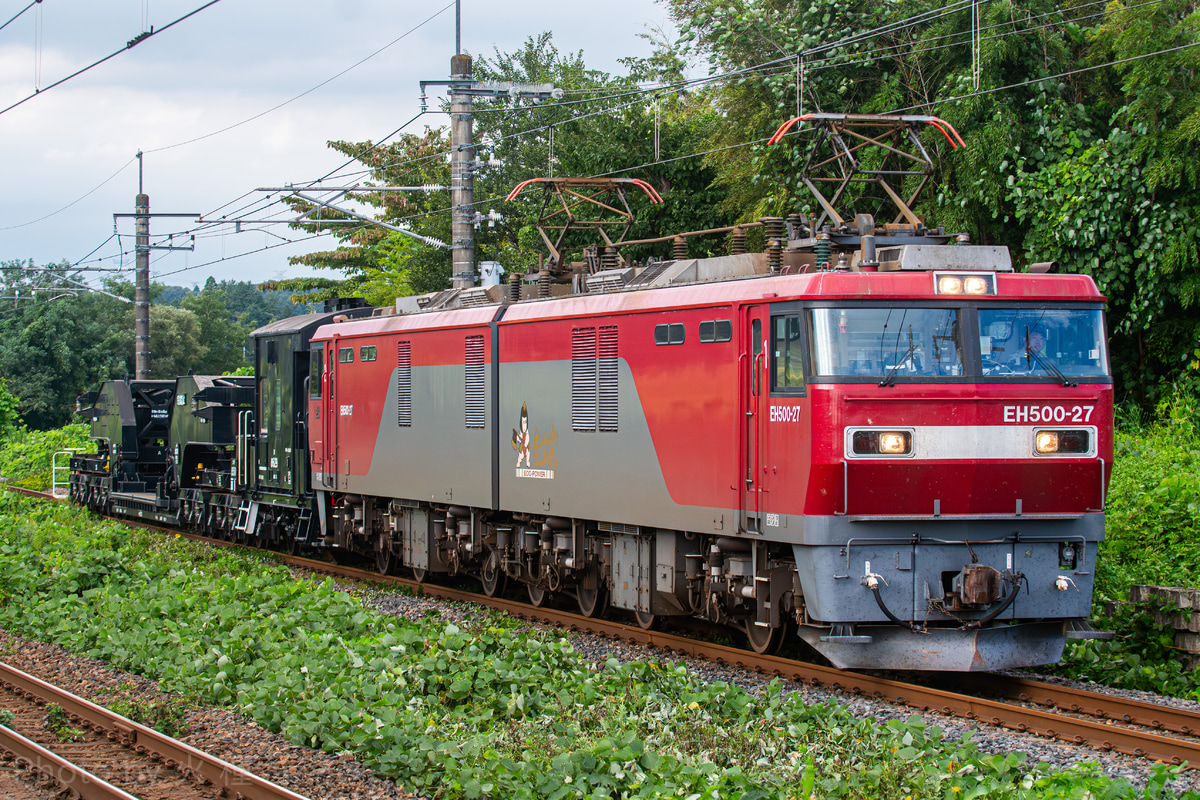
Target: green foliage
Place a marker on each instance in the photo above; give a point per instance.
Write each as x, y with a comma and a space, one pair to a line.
1141, 657
223, 338
10, 413
6, 717
483, 710
59, 724
54, 345
165, 714
1093, 169
57, 343
373, 261
1153, 509
596, 129
1152, 537
27, 457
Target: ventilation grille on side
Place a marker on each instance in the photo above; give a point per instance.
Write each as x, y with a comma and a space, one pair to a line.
475, 416
404, 384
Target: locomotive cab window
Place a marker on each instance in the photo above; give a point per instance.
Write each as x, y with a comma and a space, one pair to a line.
367, 353
315, 364
346, 355
886, 344
786, 356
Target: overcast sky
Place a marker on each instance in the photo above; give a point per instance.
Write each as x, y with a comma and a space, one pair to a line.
227, 63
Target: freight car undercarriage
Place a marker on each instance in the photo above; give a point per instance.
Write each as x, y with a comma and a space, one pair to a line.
884, 600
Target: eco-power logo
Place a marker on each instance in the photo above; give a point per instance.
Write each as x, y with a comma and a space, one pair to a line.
538, 451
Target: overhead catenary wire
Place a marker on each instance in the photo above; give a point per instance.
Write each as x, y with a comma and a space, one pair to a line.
638, 92
478, 203
14, 17
325, 82
82, 197
954, 99
712, 78
141, 37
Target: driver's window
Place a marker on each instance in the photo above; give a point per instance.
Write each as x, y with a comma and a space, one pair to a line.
756, 345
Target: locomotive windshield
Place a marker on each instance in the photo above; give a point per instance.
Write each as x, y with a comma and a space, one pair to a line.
1041, 341
887, 343
923, 343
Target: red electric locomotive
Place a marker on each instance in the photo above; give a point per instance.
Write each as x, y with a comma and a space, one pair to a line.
902, 455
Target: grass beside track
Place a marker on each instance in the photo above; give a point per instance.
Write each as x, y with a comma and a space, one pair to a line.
472, 711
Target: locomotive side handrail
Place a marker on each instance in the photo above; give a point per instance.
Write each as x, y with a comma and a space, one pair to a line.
56, 468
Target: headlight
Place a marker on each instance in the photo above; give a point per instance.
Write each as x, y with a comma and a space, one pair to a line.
950, 284
1062, 442
881, 443
975, 285
1046, 441
965, 282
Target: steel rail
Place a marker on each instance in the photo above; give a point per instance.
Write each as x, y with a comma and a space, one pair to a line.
231, 780
67, 776
1094, 704
1101, 735
1105, 735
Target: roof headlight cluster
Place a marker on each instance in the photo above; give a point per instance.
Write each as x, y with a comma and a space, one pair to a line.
965, 283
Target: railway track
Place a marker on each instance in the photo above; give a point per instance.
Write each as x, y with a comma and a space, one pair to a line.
1102, 721
96, 754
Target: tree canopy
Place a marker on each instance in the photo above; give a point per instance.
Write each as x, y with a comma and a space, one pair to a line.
57, 343
1078, 121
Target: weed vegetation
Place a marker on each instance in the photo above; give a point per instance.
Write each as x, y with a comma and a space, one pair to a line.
1152, 537
494, 710
26, 457
488, 710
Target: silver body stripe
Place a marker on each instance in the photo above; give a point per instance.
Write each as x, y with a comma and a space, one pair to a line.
972, 442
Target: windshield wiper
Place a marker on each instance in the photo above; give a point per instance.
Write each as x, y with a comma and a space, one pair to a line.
1048, 365
1045, 363
890, 378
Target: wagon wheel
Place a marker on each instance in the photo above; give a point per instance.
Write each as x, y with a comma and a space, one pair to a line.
386, 561
538, 596
592, 602
492, 577
647, 621
591, 593
765, 641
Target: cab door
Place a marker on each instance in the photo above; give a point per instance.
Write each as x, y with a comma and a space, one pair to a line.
329, 426
317, 386
755, 391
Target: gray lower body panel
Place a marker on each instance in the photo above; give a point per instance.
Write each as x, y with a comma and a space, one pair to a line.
1002, 647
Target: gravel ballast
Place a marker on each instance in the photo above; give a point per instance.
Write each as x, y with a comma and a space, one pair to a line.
988, 738
314, 774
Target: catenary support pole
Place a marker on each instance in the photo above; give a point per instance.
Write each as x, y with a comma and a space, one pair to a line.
462, 178
141, 298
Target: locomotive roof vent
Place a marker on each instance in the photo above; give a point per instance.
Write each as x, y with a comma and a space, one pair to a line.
479, 296
609, 280
986, 258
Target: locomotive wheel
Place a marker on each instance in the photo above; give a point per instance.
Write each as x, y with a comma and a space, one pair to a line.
592, 602
420, 574
538, 596
293, 546
492, 577
385, 561
647, 621
764, 641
